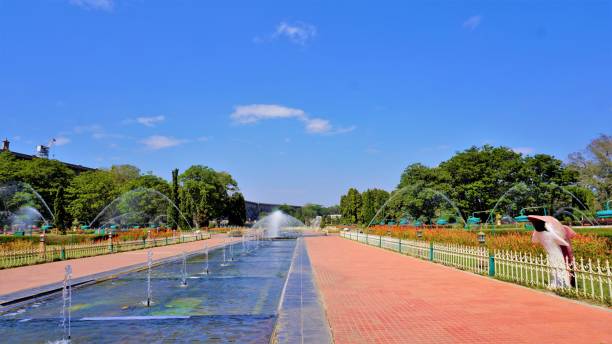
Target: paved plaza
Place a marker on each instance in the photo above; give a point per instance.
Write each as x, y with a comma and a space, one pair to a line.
376, 296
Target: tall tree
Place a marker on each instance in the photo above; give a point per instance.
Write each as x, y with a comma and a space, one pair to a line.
61, 216
174, 213
372, 200
236, 212
89, 193
594, 166
206, 193
350, 206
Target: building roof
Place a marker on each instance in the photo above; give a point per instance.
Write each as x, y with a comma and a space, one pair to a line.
74, 167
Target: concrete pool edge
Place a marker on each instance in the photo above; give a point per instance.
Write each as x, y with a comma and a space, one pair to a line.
301, 315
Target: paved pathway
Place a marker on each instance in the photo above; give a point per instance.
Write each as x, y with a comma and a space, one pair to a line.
34, 276
377, 296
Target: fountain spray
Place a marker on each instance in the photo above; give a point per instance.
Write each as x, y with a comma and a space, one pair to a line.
149, 265
184, 271
66, 303
206, 258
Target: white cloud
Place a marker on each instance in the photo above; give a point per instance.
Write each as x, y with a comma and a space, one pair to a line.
344, 130
372, 150
97, 132
203, 139
472, 22
317, 125
253, 113
156, 142
245, 114
523, 150
150, 121
104, 5
61, 140
298, 32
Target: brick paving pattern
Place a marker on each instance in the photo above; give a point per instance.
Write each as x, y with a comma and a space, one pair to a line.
33, 276
377, 296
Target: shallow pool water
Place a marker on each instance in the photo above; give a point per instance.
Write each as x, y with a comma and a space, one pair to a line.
233, 303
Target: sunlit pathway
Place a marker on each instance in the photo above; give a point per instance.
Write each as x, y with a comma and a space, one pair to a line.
34, 276
377, 296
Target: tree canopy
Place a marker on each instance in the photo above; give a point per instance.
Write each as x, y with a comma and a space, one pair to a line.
481, 178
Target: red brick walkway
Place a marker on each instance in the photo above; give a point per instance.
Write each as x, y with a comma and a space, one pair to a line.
377, 296
26, 277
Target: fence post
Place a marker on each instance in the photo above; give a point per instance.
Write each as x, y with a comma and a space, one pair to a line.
400, 245
380, 241
431, 253
42, 246
144, 242
491, 265
110, 242
63, 253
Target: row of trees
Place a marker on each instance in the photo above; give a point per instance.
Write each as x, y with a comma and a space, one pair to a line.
482, 178
123, 193
310, 212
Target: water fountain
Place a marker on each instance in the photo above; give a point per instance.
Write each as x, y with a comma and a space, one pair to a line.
184, 270
274, 223
206, 271
149, 266
397, 193
520, 193
225, 263
239, 306
139, 205
21, 206
66, 304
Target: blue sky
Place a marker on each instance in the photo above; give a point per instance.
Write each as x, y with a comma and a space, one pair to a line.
300, 101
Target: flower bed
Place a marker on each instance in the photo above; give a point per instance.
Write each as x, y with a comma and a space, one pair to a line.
585, 245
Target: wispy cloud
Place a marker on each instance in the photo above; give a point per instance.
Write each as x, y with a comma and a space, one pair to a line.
246, 114
97, 132
524, 150
103, 5
61, 140
253, 113
472, 22
156, 142
372, 150
317, 125
298, 33
150, 121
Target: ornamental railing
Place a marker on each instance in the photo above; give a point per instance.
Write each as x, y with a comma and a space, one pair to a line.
587, 279
50, 253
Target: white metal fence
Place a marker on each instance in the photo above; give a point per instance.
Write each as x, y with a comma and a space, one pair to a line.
10, 259
588, 279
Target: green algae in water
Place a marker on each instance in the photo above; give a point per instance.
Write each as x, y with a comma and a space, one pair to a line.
80, 306
181, 306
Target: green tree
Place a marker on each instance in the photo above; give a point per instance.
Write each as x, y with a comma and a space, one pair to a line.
45, 176
372, 200
236, 212
350, 206
89, 192
206, 192
174, 213
61, 216
594, 167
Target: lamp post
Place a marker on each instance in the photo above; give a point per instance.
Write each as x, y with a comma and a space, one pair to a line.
481, 238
